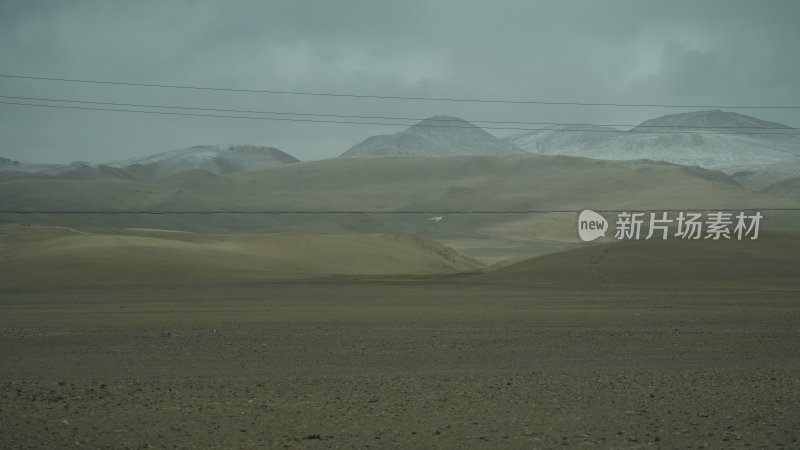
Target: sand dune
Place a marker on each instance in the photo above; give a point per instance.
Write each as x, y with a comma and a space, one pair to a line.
59, 257
770, 263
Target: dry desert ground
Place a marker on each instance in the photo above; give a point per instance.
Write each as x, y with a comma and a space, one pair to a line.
545, 353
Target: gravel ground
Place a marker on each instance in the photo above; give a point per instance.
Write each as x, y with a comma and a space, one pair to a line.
398, 365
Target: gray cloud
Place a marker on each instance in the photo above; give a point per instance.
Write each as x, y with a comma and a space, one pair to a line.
682, 52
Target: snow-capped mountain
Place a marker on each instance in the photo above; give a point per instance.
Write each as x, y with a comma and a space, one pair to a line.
212, 158
218, 159
675, 138
714, 121
436, 136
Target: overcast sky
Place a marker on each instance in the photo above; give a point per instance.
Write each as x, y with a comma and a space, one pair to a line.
723, 52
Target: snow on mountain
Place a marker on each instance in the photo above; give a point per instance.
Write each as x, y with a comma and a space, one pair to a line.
212, 158
674, 138
217, 159
714, 120
436, 136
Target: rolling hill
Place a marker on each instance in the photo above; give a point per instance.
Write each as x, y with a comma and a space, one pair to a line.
45, 257
767, 263
492, 207
402, 183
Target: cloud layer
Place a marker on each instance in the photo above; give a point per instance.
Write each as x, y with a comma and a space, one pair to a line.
679, 52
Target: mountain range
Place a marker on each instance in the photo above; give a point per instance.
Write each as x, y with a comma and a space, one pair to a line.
727, 141
757, 153
218, 159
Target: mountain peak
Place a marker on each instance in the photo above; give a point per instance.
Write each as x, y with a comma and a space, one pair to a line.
709, 119
436, 136
444, 121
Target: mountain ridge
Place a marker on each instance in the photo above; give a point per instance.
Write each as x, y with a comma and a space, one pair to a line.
219, 159
711, 139
216, 159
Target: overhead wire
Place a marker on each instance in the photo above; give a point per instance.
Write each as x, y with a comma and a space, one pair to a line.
348, 116
389, 97
353, 122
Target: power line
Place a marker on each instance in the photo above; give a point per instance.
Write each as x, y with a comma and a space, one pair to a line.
173, 113
393, 97
347, 116
405, 212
